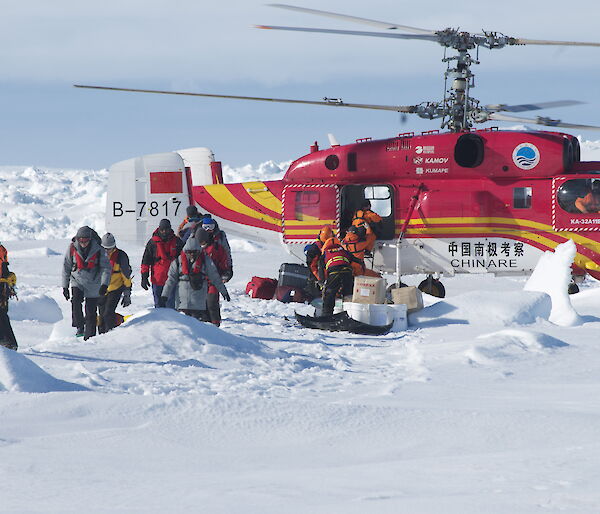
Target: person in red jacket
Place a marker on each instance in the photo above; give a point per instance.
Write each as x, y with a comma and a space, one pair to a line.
217, 252
161, 250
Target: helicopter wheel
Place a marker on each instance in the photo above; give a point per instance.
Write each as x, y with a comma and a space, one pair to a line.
573, 288
433, 287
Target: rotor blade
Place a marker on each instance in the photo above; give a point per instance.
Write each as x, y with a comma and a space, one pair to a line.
331, 102
423, 37
541, 121
365, 21
531, 107
522, 41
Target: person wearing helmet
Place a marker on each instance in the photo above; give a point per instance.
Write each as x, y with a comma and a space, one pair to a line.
8, 281
189, 223
336, 271
312, 253
161, 250
188, 275
211, 226
370, 221
87, 269
356, 245
120, 284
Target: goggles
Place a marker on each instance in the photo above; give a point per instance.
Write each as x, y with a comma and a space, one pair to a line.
83, 239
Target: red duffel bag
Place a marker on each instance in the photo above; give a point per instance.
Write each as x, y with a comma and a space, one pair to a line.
263, 288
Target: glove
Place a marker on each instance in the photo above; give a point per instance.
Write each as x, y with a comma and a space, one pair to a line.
226, 296
102, 290
126, 302
162, 301
227, 274
66, 293
145, 283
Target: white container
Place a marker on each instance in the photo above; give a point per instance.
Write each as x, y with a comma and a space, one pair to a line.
400, 316
378, 314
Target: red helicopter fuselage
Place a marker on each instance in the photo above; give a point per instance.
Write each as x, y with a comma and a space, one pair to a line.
474, 201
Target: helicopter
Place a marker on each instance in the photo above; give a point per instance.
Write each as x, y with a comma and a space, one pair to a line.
452, 200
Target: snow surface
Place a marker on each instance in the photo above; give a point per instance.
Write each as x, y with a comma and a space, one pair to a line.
482, 405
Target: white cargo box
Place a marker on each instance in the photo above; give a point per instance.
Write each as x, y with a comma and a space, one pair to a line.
378, 314
368, 290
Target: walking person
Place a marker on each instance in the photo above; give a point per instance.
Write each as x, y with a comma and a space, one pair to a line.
8, 281
189, 223
120, 284
212, 227
161, 250
86, 269
188, 275
216, 251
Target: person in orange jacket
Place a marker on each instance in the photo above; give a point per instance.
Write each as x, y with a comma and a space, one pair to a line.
371, 221
356, 246
336, 272
312, 252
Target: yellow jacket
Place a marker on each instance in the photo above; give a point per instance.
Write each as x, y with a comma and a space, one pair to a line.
121, 270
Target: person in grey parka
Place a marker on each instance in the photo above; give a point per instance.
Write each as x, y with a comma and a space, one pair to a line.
87, 269
189, 273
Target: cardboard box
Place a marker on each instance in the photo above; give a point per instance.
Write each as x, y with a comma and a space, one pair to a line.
368, 290
410, 296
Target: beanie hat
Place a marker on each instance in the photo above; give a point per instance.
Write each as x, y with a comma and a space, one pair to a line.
164, 224
191, 245
108, 241
84, 231
203, 236
192, 211
209, 224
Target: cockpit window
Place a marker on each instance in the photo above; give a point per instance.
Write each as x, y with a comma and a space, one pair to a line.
580, 196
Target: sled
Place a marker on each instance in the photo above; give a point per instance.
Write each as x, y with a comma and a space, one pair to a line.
341, 322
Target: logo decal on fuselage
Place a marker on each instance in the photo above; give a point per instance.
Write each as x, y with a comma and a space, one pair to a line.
526, 156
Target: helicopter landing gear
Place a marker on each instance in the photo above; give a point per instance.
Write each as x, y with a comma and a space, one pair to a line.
433, 287
576, 279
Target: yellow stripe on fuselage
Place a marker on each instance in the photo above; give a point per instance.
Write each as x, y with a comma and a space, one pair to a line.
586, 242
261, 194
304, 223
222, 195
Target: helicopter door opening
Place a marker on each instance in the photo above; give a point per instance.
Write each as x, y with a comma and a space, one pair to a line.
306, 208
576, 204
382, 202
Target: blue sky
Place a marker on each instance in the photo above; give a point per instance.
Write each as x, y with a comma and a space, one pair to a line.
47, 47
